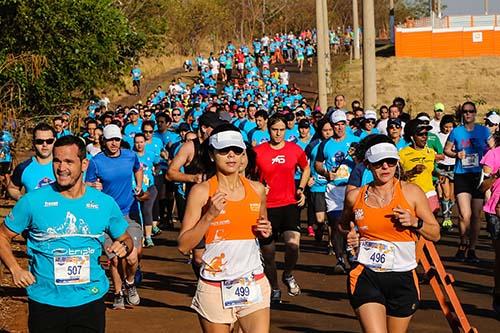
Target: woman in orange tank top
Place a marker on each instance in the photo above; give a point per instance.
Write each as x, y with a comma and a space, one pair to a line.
229, 212
382, 221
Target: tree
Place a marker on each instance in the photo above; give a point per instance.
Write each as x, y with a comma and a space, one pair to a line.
87, 44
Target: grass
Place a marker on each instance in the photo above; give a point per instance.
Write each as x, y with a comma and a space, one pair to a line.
423, 82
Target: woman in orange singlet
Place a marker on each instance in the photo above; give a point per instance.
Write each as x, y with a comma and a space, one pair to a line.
384, 219
229, 212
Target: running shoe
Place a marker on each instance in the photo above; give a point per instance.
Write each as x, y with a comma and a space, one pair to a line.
132, 294
148, 242
340, 267
119, 302
460, 255
291, 284
330, 250
275, 296
138, 276
310, 231
471, 257
447, 225
156, 231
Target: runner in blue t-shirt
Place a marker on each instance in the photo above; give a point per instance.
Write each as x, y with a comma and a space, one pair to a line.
136, 75
65, 224
468, 143
112, 171
6, 143
36, 171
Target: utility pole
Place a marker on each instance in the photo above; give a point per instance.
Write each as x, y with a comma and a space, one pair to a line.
328, 64
391, 20
355, 27
486, 7
369, 64
322, 94
440, 14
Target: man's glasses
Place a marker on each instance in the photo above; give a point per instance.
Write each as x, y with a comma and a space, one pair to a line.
40, 142
147, 132
391, 162
394, 127
235, 150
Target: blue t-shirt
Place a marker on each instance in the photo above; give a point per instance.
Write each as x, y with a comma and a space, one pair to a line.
65, 240
136, 74
360, 176
258, 136
475, 145
311, 153
335, 156
148, 160
130, 131
6, 140
33, 175
115, 174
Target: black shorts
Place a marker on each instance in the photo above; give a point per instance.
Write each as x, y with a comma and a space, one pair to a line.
88, 317
282, 219
468, 183
5, 168
397, 291
318, 201
136, 83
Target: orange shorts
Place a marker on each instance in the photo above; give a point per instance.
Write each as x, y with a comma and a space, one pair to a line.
208, 303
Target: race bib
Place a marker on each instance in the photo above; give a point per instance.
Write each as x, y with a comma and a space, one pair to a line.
376, 255
70, 270
240, 292
470, 161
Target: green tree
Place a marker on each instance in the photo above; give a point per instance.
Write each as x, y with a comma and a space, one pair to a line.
87, 44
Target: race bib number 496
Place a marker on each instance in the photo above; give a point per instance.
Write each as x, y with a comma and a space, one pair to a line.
376, 255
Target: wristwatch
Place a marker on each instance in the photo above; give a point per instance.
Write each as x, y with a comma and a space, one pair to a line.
420, 224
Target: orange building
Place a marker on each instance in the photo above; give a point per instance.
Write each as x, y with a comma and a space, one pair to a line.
449, 37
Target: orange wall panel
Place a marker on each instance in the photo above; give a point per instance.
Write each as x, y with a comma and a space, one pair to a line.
447, 45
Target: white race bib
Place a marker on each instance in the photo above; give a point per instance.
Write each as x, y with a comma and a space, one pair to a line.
70, 270
377, 255
470, 161
240, 292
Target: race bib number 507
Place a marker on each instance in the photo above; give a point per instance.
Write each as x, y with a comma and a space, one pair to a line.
70, 270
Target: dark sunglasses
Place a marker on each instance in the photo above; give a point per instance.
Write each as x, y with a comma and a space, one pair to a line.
422, 134
235, 150
490, 124
42, 141
176, 114
394, 126
391, 162
147, 132
469, 111
114, 139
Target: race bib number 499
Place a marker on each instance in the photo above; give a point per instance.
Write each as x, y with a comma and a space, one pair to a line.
70, 270
240, 292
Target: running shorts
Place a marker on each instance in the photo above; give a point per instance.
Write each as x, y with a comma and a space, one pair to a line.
334, 197
397, 291
88, 317
134, 229
318, 201
136, 83
493, 225
207, 302
446, 171
282, 219
468, 183
5, 168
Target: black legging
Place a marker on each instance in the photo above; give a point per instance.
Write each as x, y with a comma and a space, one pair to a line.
147, 206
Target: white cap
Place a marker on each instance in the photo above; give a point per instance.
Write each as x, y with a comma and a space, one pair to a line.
338, 116
381, 151
494, 118
111, 131
370, 114
424, 118
226, 139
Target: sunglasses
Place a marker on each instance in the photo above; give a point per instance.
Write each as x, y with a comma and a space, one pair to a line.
391, 162
147, 132
176, 114
114, 139
225, 151
490, 124
394, 126
422, 134
42, 141
469, 111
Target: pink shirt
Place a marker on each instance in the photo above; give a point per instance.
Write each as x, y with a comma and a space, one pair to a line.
492, 159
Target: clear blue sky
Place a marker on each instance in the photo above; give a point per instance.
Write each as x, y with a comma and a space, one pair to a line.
470, 7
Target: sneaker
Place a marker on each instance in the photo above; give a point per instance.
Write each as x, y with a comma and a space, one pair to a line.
148, 242
138, 276
460, 255
155, 231
292, 285
472, 258
447, 224
310, 231
319, 234
340, 267
275, 296
132, 294
330, 250
119, 302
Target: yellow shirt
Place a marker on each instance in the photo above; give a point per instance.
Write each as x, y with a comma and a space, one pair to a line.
410, 157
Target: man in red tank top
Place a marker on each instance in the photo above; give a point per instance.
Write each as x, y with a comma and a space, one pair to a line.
277, 162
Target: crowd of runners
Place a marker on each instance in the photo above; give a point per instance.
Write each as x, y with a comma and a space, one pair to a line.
237, 157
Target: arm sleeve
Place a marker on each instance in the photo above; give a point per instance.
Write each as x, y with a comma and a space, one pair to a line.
91, 174
17, 175
320, 157
117, 225
20, 216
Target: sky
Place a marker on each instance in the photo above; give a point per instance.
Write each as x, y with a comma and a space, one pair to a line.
470, 7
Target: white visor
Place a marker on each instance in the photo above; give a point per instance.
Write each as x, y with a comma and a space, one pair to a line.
227, 139
381, 151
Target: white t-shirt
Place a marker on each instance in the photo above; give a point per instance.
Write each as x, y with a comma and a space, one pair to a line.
284, 77
442, 138
382, 126
435, 126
